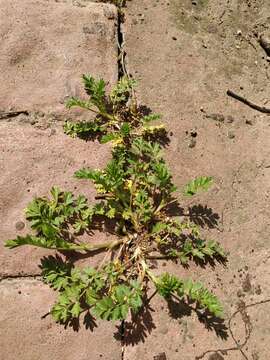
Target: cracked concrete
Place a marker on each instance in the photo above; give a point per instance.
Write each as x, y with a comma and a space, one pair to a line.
185, 57
45, 48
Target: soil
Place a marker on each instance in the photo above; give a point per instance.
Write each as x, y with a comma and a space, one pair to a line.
185, 54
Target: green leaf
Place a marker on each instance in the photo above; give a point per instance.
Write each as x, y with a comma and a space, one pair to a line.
159, 227
111, 213
75, 102
91, 297
167, 284
87, 174
55, 243
55, 271
124, 311
121, 292
121, 91
151, 117
82, 129
76, 310
125, 129
109, 137
199, 184
94, 88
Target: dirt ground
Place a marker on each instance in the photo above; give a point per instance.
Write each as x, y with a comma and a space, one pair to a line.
185, 55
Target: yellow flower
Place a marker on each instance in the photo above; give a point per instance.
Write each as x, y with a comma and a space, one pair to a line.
117, 142
100, 189
128, 184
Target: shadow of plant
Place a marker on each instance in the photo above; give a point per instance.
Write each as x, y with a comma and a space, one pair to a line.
137, 329
178, 309
203, 216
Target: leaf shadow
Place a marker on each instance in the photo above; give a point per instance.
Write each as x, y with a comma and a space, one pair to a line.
203, 216
178, 309
138, 328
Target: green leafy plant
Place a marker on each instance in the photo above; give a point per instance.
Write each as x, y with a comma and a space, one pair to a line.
136, 195
117, 117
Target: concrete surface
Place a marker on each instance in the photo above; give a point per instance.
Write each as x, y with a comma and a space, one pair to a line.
45, 48
185, 57
25, 336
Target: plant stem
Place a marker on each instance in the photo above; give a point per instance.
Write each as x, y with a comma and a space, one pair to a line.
106, 245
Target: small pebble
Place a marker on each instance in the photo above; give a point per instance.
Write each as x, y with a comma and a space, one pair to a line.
230, 119
20, 225
231, 135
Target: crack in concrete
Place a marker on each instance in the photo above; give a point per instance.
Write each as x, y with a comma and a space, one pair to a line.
248, 329
20, 276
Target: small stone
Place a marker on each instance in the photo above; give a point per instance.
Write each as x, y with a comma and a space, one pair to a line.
231, 135
194, 2
193, 133
249, 122
230, 119
258, 290
20, 225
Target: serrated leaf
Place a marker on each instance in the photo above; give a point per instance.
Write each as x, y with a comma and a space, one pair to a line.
76, 310
151, 117
109, 137
125, 129
199, 184
159, 227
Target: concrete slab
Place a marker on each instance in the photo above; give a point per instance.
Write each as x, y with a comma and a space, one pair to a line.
24, 335
31, 162
45, 48
185, 57
172, 331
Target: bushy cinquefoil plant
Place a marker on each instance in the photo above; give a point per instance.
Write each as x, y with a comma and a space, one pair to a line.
135, 193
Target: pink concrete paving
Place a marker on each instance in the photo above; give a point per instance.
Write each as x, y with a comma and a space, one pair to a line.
45, 48
25, 336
